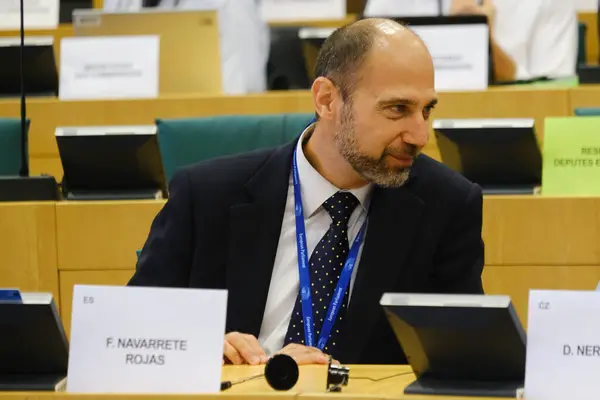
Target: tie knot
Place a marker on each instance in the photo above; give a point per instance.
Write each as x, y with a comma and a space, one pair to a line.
340, 206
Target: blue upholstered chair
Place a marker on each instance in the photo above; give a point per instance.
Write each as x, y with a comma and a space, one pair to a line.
587, 112
10, 145
189, 140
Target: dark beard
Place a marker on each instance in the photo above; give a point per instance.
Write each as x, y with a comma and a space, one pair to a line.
370, 169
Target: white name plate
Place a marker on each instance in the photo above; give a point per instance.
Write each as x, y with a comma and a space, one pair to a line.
109, 67
122, 5
460, 55
403, 8
39, 14
146, 340
302, 10
563, 345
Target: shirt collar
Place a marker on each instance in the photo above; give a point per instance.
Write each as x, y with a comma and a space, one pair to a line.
315, 188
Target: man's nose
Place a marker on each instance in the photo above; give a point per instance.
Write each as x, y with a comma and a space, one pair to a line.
418, 132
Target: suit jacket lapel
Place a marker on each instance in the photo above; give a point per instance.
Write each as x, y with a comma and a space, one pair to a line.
393, 215
254, 229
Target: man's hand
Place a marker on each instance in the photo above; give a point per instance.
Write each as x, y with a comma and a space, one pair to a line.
240, 348
305, 355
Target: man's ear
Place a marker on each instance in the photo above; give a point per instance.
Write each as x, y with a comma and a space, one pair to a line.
324, 94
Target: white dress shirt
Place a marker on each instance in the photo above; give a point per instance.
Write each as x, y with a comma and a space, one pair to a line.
285, 281
539, 35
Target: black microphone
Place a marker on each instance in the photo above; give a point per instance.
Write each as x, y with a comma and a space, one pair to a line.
24, 171
23, 187
281, 373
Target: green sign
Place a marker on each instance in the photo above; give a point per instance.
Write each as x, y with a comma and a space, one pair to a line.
571, 154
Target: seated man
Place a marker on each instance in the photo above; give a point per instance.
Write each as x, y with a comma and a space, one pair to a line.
530, 38
308, 236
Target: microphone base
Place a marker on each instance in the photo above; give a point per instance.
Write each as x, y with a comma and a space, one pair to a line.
28, 188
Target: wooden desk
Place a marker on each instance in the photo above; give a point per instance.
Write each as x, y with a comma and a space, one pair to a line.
531, 242
46, 114
28, 247
540, 243
584, 96
97, 242
311, 385
312, 382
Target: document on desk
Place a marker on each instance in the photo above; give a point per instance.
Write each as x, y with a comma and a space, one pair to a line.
459, 51
302, 10
146, 340
39, 14
571, 163
460, 55
563, 345
109, 67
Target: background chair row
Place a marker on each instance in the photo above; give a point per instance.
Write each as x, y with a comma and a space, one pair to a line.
189, 140
185, 141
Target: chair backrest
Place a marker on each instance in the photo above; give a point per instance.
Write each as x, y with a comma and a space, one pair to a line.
582, 40
287, 68
10, 145
189, 140
587, 112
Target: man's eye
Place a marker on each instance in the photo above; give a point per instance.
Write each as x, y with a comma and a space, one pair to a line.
427, 111
400, 109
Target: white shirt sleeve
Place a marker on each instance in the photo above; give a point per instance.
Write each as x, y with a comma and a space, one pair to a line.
245, 42
554, 41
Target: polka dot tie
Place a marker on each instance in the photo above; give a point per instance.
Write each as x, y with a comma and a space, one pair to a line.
326, 263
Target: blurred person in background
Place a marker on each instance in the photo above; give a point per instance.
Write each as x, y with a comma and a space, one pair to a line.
244, 41
530, 38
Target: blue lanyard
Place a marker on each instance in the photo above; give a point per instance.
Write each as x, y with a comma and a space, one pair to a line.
305, 288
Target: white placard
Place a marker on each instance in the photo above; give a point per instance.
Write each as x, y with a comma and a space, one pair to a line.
146, 340
109, 67
122, 5
302, 10
460, 55
586, 5
563, 345
402, 8
39, 14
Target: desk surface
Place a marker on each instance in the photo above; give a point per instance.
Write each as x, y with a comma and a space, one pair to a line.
366, 382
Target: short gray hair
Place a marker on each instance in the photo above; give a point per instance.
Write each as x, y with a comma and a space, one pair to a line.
343, 53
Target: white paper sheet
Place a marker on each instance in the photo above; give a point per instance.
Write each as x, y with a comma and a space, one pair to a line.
39, 14
146, 340
110, 67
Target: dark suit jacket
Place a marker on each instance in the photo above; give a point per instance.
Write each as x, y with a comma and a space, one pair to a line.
220, 229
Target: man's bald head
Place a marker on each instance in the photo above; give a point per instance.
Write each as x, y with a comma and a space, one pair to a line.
345, 50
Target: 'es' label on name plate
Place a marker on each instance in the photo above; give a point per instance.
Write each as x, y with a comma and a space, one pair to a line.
146, 340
